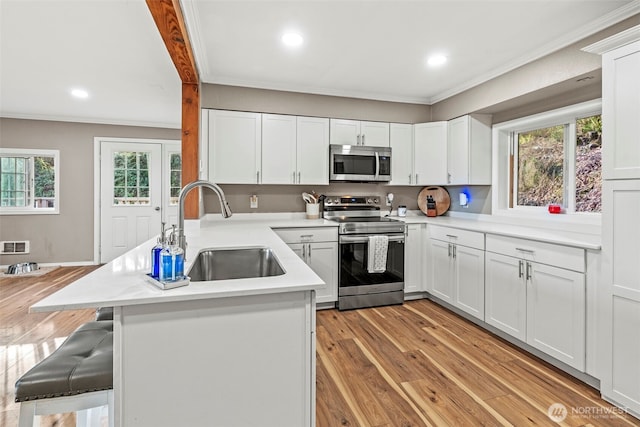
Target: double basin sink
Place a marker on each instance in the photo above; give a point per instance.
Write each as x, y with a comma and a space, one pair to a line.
234, 263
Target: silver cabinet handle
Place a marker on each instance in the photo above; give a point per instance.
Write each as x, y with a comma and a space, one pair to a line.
416, 178
453, 236
528, 251
449, 250
363, 139
455, 249
299, 182
449, 178
294, 177
357, 139
528, 271
410, 179
304, 253
520, 265
306, 236
309, 249
258, 177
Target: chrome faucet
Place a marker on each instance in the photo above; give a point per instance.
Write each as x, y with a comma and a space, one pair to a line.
224, 207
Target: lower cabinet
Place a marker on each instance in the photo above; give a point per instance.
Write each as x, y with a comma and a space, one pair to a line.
318, 247
456, 268
540, 304
414, 259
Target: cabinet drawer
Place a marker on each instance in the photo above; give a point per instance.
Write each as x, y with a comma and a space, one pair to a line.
544, 253
306, 235
471, 239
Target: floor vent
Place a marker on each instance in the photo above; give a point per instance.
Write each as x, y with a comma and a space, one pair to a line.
17, 247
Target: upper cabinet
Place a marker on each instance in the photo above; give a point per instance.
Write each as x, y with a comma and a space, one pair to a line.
312, 152
253, 148
354, 132
621, 112
429, 153
234, 142
469, 150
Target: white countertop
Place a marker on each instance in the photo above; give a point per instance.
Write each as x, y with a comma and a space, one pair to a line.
122, 281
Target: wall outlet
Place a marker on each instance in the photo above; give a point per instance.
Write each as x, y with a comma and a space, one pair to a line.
253, 202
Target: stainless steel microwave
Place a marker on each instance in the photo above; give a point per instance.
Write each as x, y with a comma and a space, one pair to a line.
359, 163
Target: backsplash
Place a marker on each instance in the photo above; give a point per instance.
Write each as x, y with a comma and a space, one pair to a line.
288, 198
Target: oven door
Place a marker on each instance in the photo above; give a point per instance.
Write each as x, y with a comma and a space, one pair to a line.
352, 163
353, 277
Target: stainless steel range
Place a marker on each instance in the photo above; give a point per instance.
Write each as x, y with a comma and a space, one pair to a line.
367, 276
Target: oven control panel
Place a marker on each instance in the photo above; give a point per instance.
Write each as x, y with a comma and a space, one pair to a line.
352, 201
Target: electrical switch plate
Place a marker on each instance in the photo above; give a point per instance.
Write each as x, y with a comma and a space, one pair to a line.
253, 201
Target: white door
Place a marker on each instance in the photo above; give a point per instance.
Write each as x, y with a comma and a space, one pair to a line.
374, 134
134, 197
469, 280
430, 148
441, 270
322, 257
278, 149
458, 151
506, 294
401, 140
345, 132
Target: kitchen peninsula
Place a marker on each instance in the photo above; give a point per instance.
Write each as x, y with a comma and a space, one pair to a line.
226, 352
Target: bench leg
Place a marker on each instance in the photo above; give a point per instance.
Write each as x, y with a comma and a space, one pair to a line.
28, 415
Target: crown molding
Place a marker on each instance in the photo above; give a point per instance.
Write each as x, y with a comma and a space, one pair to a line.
617, 40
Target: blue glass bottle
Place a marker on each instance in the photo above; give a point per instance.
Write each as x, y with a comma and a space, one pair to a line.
155, 254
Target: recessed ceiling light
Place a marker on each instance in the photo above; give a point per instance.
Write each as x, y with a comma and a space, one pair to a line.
79, 93
292, 39
436, 60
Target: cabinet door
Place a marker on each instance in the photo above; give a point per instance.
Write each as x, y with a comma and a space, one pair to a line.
413, 256
621, 292
458, 151
374, 134
345, 132
469, 280
506, 294
234, 147
300, 250
278, 149
401, 141
441, 270
429, 153
556, 312
312, 151
323, 259
620, 112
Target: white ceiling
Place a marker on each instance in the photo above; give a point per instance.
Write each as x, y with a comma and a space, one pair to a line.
364, 49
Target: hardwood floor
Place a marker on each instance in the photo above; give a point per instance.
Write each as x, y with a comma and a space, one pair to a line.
411, 365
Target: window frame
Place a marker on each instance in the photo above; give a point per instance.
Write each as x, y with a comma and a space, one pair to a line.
31, 154
504, 138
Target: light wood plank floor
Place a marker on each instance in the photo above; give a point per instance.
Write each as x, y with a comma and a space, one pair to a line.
411, 365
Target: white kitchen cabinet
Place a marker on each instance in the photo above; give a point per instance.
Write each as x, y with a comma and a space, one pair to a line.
417, 153
469, 150
234, 147
621, 112
457, 268
278, 149
541, 304
355, 132
312, 150
621, 292
318, 247
414, 259
295, 150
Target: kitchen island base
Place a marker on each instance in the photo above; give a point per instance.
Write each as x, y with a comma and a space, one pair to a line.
236, 361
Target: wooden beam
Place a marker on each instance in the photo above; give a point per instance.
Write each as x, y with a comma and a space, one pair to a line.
170, 22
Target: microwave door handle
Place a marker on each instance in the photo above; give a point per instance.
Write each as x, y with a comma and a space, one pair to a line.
377, 164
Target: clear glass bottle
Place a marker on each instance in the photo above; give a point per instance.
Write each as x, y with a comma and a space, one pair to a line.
171, 260
155, 253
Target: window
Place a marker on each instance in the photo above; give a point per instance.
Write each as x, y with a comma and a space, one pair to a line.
131, 178
175, 184
29, 181
552, 157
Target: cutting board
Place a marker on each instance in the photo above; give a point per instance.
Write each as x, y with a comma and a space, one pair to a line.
439, 194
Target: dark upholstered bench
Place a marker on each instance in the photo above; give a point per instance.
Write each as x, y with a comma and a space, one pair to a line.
77, 376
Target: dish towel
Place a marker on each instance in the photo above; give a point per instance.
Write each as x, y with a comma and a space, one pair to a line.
377, 262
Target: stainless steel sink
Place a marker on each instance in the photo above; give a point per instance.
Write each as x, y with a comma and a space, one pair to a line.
234, 263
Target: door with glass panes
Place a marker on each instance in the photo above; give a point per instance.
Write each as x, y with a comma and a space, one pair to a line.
139, 185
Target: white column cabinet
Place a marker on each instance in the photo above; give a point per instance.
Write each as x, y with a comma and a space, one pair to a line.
469, 150
318, 247
354, 132
536, 302
457, 268
234, 147
414, 258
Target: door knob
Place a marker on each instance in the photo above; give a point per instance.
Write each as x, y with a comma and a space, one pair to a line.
157, 208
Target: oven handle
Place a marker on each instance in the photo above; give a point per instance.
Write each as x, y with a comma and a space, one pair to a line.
365, 239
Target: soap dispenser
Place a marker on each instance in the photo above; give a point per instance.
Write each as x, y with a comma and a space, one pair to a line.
172, 260
155, 253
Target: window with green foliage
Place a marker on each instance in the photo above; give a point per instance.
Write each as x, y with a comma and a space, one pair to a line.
29, 181
561, 163
175, 184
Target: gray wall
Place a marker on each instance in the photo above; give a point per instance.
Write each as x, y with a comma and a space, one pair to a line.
68, 236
